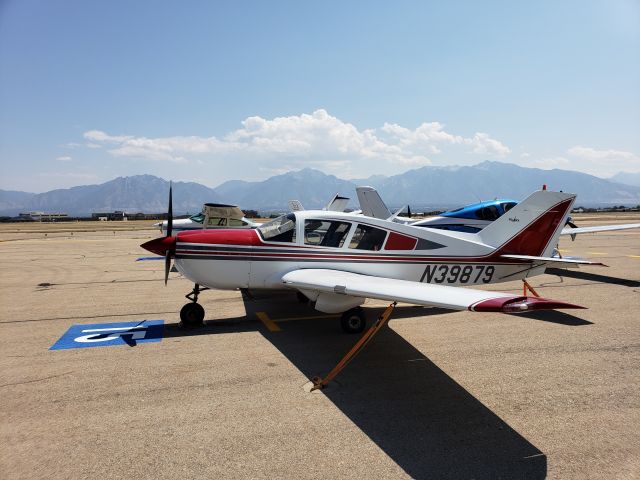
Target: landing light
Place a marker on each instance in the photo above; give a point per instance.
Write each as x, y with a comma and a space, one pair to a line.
516, 307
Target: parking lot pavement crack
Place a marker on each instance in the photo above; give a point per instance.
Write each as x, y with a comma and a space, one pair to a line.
36, 380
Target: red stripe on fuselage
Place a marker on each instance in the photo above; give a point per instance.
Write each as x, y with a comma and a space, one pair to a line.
228, 236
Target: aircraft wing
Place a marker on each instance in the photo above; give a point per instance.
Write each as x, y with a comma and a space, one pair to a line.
336, 282
599, 228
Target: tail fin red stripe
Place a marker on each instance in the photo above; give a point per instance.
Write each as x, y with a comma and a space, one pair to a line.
534, 239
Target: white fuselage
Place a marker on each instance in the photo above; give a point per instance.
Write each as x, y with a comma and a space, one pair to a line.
247, 260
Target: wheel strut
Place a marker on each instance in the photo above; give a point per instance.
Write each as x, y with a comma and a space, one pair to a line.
193, 294
319, 383
526, 287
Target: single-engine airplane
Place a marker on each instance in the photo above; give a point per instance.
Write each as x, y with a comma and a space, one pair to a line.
470, 218
338, 259
213, 215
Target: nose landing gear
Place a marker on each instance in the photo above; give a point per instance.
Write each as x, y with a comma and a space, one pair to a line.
192, 314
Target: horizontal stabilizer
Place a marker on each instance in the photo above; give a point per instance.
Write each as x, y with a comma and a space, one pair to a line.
557, 261
599, 228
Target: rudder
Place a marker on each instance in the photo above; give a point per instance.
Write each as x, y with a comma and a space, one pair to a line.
532, 227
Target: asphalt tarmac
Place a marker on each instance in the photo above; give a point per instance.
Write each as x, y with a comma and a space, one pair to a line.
436, 394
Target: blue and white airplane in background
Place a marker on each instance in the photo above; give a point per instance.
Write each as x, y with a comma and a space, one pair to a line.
470, 218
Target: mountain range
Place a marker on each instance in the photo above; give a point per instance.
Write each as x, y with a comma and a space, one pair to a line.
422, 188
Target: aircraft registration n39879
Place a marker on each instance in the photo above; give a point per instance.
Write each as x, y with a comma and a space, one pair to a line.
339, 259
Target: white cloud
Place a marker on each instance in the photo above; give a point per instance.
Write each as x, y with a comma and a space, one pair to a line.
593, 154
485, 145
604, 163
98, 136
317, 139
64, 158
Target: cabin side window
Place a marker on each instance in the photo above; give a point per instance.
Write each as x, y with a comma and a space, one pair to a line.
281, 229
368, 238
324, 233
508, 206
488, 213
198, 217
217, 222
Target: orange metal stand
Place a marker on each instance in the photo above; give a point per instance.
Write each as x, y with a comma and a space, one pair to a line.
319, 383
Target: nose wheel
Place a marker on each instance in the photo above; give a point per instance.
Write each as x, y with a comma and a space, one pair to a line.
192, 314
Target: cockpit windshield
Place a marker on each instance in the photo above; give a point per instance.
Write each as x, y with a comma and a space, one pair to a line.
198, 217
281, 229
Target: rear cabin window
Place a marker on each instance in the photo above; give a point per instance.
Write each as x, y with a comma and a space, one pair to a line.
508, 206
325, 233
236, 222
400, 242
368, 238
217, 222
281, 229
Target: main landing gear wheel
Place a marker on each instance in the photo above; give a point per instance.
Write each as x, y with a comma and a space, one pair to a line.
192, 315
302, 298
353, 321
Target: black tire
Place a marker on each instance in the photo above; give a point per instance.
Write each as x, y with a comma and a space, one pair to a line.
353, 321
192, 315
302, 298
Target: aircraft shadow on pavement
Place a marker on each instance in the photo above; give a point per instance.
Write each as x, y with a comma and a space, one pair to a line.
555, 316
592, 277
419, 416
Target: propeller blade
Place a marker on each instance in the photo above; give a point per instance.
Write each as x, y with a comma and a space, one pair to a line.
167, 266
572, 225
170, 212
409, 211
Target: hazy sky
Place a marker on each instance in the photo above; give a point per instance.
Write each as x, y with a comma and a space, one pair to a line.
211, 91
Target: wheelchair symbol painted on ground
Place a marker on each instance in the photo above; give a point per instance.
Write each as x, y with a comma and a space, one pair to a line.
110, 334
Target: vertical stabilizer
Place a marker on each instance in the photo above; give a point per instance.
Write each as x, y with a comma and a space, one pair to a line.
371, 203
337, 204
532, 227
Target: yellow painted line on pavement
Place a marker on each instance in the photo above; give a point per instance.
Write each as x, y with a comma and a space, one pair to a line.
597, 253
562, 250
270, 324
634, 256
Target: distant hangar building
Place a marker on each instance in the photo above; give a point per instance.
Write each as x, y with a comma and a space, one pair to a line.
43, 217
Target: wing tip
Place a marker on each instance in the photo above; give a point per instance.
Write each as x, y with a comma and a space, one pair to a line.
520, 304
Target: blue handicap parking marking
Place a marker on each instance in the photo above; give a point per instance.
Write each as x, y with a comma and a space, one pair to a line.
109, 334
